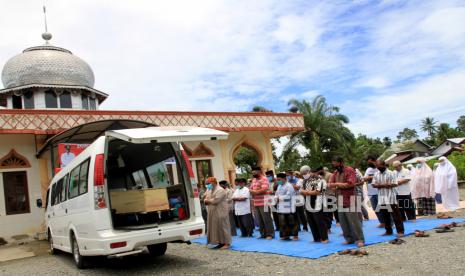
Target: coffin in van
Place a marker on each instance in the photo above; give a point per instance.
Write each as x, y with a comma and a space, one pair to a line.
135, 201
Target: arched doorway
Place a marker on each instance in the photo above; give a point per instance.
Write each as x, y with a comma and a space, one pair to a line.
246, 156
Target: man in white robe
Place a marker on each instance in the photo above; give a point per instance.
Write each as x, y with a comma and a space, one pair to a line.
445, 181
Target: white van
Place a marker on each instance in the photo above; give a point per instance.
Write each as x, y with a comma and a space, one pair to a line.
79, 215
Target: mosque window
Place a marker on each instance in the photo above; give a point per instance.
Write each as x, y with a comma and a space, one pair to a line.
92, 104
17, 102
28, 100
65, 100
85, 102
51, 99
16, 192
3, 102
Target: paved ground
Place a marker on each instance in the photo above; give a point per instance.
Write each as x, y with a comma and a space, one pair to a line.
438, 254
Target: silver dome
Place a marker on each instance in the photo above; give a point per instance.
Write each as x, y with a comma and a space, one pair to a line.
47, 64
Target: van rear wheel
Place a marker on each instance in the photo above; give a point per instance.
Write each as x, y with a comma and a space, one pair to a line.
79, 260
158, 249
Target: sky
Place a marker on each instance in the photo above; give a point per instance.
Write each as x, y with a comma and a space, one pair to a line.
386, 64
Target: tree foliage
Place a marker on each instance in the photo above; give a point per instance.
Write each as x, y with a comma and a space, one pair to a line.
325, 133
445, 131
458, 160
245, 159
407, 134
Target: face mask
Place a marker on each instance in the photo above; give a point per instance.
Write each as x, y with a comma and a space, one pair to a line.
382, 169
270, 178
418, 166
256, 175
306, 176
209, 186
340, 168
240, 187
280, 182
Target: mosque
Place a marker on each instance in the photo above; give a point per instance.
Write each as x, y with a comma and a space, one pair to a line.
49, 99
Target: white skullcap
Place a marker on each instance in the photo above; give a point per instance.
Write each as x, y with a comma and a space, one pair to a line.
304, 169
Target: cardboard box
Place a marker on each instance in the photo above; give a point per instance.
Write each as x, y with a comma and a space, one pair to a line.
135, 201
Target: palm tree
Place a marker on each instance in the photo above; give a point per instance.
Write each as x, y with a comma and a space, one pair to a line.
429, 125
259, 108
325, 132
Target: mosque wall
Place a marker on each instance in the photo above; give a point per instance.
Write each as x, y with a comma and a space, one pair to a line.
222, 161
29, 222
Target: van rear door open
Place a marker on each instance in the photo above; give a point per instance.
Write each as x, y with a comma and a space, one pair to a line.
149, 160
167, 134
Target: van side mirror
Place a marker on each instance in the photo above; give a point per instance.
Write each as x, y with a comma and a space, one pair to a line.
39, 203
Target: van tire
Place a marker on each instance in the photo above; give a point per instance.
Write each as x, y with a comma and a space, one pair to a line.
79, 260
53, 251
158, 249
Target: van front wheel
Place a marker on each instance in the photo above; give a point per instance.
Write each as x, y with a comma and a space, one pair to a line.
78, 258
158, 249
53, 251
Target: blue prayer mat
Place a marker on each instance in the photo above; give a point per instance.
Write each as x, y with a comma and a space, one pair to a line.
306, 248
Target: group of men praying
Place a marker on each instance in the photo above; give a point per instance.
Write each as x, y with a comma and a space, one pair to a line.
312, 199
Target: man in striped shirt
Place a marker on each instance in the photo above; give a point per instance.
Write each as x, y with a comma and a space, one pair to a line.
259, 189
386, 182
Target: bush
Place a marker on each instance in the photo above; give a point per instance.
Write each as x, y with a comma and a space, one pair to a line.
458, 159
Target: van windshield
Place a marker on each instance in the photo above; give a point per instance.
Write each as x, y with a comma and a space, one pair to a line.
147, 184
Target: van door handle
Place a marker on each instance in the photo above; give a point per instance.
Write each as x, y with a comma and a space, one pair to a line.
53, 213
66, 211
48, 216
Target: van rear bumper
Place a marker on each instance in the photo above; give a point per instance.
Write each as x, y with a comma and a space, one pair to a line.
137, 239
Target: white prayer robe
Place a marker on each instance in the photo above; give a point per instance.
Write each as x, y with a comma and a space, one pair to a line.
445, 181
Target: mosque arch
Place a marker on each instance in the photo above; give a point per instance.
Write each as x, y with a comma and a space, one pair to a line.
14, 160
249, 145
202, 151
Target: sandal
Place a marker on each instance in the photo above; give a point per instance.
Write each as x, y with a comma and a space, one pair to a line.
421, 234
397, 241
344, 252
446, 229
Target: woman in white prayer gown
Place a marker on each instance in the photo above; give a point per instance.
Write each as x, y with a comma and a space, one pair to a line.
423, 189
445, 181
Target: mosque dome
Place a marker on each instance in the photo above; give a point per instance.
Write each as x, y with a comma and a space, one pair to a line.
47, 64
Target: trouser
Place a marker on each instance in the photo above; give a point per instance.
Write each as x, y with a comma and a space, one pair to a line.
386, 211
406, 207
264, 222
374, 205
205, 216
288, 225
246, 225
232, 222
276, 220
300, 212
329, 218
317, 220
351, 227
363, 214
426, 206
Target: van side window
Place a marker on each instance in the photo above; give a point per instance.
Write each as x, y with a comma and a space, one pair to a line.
59, 189
47, 201
83, 175
54, 195
73, 189
64, 182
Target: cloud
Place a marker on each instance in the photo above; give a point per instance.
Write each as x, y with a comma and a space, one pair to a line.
438, 96
372, 58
